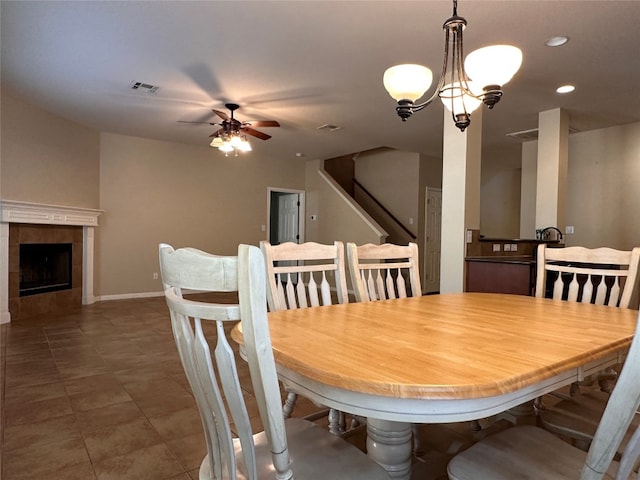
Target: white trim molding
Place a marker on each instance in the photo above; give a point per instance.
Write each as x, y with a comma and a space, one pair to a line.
26, 212
12, 211
5, 316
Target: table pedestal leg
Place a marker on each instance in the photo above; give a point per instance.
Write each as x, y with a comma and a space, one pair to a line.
389, 444
524, 414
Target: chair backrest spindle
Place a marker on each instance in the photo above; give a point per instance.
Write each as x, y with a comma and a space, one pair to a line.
603, 276
380, 272
298, 274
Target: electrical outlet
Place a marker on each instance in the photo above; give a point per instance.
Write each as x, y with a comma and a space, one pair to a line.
469, 236
507, 247
155, 275
514, 247
496, 247
569, 229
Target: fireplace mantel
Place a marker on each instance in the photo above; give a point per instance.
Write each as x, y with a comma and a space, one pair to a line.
25, 212
12, 211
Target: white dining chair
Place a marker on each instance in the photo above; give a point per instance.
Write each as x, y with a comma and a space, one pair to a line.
602, 276
531, 452
301, 275
286, 448
381, 272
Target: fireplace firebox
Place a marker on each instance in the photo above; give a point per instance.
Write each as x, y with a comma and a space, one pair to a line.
45, 267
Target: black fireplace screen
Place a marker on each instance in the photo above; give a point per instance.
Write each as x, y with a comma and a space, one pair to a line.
44, 267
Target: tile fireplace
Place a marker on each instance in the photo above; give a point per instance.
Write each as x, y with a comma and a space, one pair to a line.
60, 240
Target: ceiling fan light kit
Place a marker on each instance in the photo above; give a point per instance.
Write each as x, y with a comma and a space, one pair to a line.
463, 85
232, 136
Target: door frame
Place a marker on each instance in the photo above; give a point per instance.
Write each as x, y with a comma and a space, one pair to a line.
301, 215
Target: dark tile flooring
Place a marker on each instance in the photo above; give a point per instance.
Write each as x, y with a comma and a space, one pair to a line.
98, 392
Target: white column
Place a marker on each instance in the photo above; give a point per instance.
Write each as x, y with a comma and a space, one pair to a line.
87, 265
553, 159
5, 316
461, 154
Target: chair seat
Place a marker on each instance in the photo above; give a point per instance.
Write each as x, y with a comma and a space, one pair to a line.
521, 453
577, 417
315, 454
528, 452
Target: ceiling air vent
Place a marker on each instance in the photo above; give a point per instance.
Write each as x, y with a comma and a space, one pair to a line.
526, 135
142, 87
329, 127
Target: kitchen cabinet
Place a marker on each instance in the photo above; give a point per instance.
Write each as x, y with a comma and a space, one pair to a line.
508, 274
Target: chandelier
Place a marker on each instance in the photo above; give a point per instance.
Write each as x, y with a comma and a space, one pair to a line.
463, 86
231, 142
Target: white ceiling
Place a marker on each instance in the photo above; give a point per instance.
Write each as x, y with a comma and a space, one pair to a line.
309, 63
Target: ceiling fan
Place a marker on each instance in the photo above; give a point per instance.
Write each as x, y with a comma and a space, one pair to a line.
232, 126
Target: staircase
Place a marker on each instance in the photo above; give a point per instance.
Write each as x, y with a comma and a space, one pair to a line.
342, 170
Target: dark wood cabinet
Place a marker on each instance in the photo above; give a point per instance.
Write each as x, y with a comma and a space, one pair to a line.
500, 275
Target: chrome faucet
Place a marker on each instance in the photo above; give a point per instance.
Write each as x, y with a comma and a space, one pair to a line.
544, 233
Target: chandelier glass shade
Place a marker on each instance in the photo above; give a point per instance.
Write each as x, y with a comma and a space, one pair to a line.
463, 85
231, 142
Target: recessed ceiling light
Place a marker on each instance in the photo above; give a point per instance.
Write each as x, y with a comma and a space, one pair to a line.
556, 41
565, 89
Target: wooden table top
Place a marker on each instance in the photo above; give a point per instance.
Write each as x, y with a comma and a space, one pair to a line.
451, 346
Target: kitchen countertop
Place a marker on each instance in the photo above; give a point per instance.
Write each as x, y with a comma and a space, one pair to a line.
521, 260
515, 240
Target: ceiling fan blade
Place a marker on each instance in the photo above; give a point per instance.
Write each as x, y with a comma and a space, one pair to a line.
221, 114
255, 133
217, 133
197, 123
263, 123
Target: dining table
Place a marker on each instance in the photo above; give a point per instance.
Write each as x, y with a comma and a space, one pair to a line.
440, 358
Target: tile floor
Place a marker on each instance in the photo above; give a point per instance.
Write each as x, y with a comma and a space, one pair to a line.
98, 392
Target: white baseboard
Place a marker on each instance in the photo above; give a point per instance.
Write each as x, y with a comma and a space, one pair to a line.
127, 296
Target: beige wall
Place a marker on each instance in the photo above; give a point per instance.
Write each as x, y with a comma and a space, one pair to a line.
393, 178
528, 189
153, 191
603, 190
603, 196
500, 195
45, 158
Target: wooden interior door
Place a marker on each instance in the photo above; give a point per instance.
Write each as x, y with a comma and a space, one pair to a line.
286, 216
431, 257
